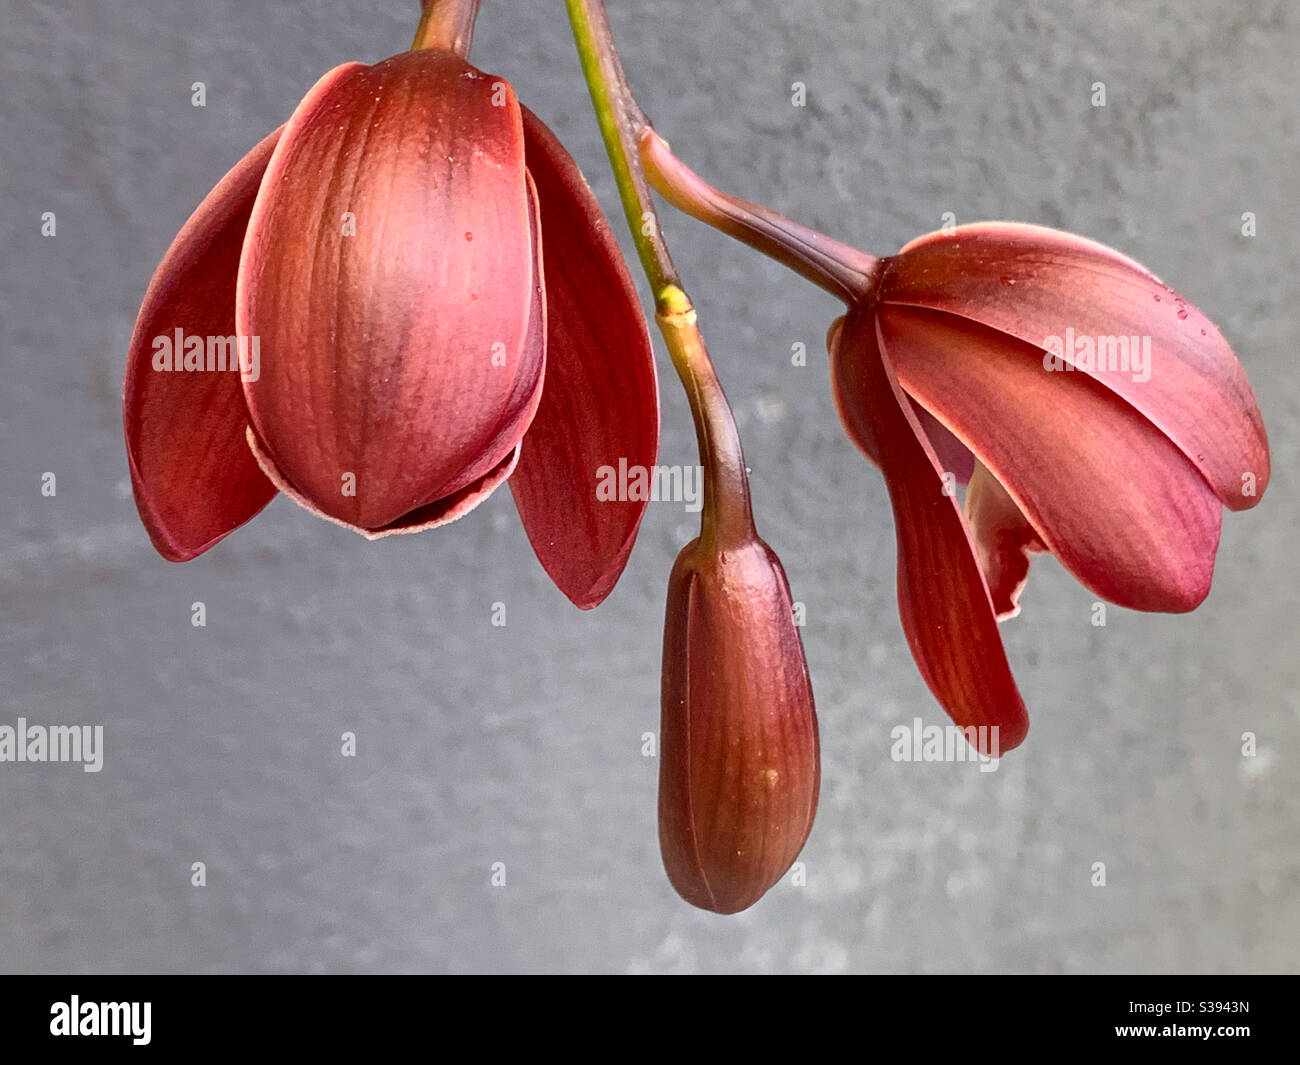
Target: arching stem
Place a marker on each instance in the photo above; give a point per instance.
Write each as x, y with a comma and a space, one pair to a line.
841, 270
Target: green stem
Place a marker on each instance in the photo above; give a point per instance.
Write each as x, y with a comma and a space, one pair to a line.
620, 123
727, 517
447, 25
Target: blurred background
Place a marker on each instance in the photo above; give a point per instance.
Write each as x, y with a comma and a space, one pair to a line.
523, 744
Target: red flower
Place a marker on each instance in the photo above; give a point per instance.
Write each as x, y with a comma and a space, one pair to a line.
429, 301
1003, 342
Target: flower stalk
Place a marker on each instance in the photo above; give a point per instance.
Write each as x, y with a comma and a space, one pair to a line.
844, 272
739, 769
726, 515
447, 25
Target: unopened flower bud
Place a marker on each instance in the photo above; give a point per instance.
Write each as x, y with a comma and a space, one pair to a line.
739, 770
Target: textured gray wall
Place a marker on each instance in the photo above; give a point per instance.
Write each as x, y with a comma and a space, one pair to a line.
522, 745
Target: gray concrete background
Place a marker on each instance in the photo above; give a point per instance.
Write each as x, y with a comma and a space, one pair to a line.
522, 745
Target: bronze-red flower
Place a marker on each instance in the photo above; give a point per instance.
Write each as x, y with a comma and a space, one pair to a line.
993, 354
436, 304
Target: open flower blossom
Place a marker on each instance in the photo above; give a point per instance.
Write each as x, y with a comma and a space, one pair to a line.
392, 304
1095, 413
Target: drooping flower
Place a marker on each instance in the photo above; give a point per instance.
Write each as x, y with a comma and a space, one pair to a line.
427, 301
1097, 414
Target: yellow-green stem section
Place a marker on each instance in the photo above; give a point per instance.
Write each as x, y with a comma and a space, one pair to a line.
726, 518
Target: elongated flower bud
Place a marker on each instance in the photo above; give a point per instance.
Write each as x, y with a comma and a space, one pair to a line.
739, 769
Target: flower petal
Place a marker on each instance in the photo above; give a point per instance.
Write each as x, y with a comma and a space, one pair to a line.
193, 478
600, 402
954, 456
1003, 537
942, 598
1034, 283
430, 516
1109, 494
389, 272
460, 502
